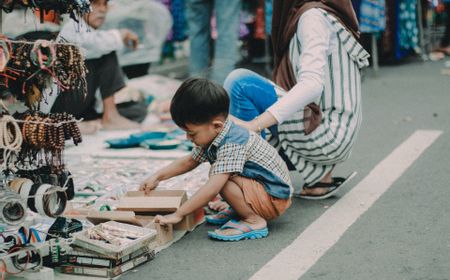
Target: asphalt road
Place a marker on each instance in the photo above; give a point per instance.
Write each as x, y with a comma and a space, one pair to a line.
405, 234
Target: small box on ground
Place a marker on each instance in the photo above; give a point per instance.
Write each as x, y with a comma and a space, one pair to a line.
161, 202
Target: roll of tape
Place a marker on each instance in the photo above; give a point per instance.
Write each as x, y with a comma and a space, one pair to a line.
14, 185
25, 189
17, 184
12, 208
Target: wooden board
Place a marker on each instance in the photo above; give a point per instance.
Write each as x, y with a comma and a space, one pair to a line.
150, 204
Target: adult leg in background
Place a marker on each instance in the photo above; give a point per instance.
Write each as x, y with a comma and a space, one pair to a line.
110, 80
198, 14
226, 46
250, 95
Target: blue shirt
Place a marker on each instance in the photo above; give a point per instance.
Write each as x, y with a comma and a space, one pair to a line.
239, 151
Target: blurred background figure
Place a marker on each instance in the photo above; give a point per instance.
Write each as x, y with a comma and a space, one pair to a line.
104, 73
199, 14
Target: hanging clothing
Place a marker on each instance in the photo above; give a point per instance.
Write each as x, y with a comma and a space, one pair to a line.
372, 16
408, 31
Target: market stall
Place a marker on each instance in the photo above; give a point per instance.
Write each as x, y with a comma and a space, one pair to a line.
65, 206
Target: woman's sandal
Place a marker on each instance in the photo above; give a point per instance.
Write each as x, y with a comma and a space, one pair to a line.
332, 188
246, 232
222, 217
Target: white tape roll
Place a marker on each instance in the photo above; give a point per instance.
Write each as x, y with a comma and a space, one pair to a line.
12, 208
25, 189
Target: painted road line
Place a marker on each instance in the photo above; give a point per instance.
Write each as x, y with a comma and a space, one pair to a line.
296, 259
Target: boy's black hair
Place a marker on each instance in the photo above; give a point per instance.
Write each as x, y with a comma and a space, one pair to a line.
197, 101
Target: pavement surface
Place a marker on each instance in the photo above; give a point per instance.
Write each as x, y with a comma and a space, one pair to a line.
404, 234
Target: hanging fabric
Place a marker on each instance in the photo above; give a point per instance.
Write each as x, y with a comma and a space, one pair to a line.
372, 16
407, 29
268, 13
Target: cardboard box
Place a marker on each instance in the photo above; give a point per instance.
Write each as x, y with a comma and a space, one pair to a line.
164, 233
128, 217
161, 202
146, 237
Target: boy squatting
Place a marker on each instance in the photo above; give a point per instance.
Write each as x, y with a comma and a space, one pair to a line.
246, 170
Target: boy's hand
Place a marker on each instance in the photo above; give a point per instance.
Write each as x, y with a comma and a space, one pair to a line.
149, 184
129, 38
168, 219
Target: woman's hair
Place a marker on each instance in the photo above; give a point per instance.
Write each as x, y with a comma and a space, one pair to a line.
197, 101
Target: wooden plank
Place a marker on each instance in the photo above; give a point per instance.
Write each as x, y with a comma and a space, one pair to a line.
150, 204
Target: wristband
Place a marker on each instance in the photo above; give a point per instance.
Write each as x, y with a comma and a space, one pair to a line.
56, 204
41, 197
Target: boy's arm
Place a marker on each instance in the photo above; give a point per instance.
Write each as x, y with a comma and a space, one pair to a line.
198, 200
177, 167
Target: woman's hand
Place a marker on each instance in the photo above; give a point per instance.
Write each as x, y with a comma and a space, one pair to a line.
248, 125
168, 219
149, 184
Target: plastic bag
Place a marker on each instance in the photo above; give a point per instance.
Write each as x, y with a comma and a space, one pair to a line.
149, 19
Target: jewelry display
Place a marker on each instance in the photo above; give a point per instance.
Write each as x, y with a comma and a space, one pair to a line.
33, 174
34, 66
75, 8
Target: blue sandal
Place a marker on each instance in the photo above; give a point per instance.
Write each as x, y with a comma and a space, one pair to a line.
247, 232
222, 217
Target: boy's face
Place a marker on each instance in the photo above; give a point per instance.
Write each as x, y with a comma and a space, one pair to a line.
97, 17
203, 134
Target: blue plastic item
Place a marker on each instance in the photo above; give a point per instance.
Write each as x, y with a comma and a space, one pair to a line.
148, 135
134, 140
161, 144
122, 143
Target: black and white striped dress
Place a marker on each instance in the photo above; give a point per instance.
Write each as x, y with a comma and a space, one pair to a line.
316, 154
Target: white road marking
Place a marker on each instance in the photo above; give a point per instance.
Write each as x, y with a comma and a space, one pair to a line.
296, 259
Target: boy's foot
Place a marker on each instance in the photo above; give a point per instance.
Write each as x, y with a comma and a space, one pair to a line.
255, 224
117, 122
239, 230
218, 205
222, 217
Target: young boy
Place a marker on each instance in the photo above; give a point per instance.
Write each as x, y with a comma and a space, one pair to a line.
247, 172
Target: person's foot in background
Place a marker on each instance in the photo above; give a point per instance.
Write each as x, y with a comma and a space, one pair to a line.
117, 122
112, 120
89, 127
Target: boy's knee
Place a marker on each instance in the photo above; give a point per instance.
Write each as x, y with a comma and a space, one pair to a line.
229, 185
234, 78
